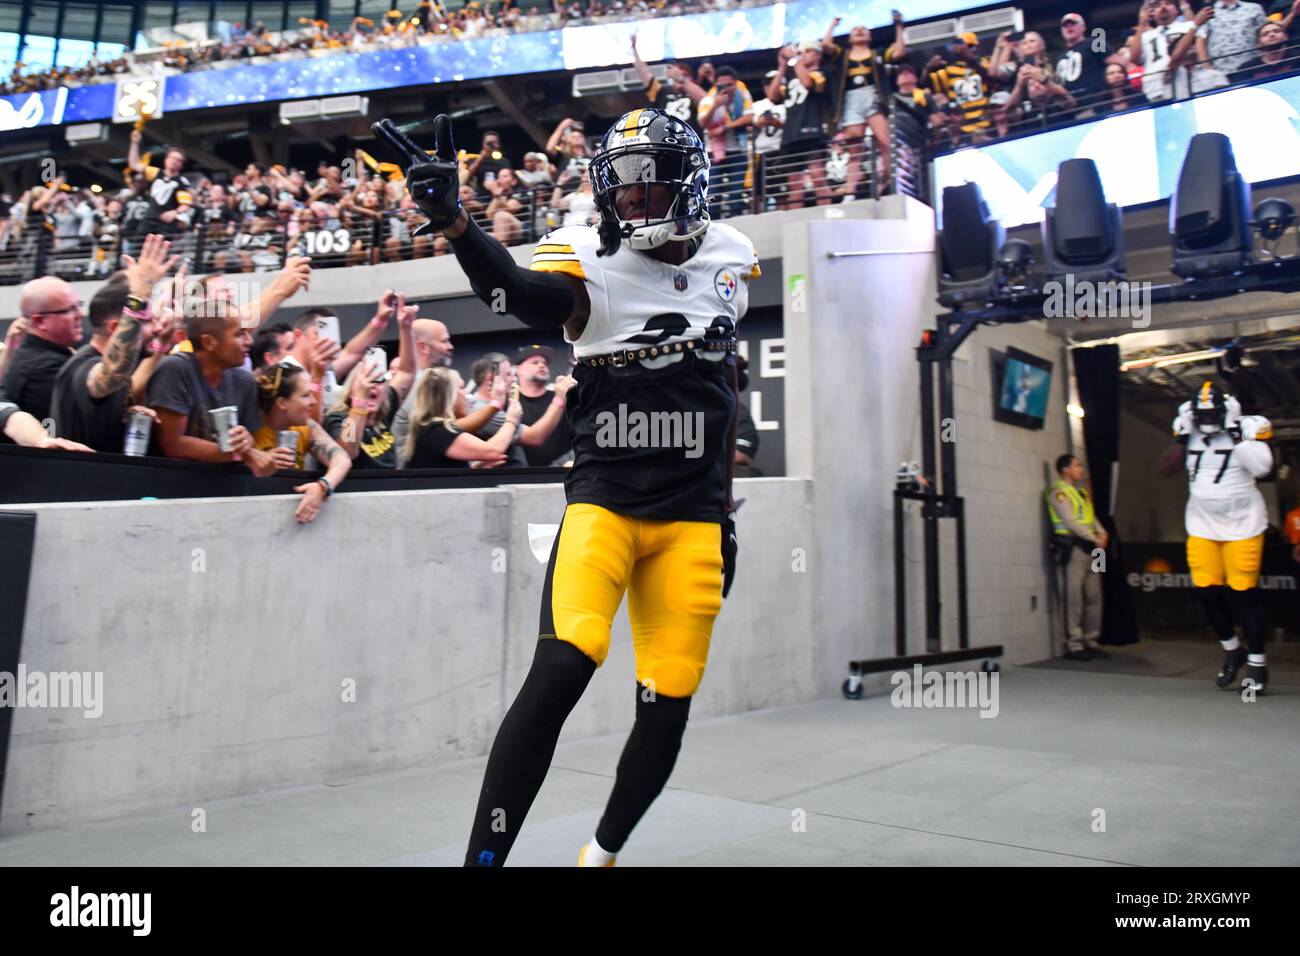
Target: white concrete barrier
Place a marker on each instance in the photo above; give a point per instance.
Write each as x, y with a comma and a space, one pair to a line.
241, 652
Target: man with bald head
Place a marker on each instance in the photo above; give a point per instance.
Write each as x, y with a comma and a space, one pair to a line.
54, 315
433, 349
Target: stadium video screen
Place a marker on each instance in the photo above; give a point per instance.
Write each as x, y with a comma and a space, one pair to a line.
1022, 383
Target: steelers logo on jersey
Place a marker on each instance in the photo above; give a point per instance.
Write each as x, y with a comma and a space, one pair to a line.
724, 283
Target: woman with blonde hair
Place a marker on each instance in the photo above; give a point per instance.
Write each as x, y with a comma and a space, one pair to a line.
438, 441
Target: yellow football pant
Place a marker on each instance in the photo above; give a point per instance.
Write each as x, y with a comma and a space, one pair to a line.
672, 572
1235, 563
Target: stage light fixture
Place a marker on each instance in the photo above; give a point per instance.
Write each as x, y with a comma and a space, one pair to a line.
1209, 213
1014, 259
1083, 235
968, 248
1273, 217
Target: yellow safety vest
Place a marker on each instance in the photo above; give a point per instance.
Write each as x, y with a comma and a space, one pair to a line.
1079, 500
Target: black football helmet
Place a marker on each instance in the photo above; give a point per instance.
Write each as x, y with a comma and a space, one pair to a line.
651, 147
1212, 410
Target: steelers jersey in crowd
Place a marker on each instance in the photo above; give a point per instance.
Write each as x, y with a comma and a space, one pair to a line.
863, 85
650, 437
807, 110
962, 84
673, 101
165, 194
1223, 503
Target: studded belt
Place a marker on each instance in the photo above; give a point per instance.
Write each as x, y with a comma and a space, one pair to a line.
620, 359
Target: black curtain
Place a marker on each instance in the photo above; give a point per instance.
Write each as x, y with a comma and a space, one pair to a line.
1097, 372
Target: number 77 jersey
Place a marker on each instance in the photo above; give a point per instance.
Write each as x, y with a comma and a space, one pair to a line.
1223, 503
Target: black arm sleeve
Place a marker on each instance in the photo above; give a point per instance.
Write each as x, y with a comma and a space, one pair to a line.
543, 300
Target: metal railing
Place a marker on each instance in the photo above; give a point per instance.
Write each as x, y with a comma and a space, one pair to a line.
1184, 83
741, 184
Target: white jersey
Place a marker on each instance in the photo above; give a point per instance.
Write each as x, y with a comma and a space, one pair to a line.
1223, 503
1157, 49
638, 301
767, 139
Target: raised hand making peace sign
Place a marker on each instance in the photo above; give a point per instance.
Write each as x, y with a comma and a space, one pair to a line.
432, 181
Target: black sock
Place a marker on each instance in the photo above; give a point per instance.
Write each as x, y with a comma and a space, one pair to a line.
1218, 611
522, 752
646, 764
1249, 611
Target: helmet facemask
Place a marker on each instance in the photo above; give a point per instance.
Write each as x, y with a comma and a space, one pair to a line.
1213, 412
681, 172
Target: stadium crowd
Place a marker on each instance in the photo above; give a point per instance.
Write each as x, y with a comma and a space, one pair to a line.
426, 22
814, 129
177, 356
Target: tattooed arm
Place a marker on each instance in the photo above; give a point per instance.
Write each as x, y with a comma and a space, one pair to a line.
328, 454
113, 372
337, 464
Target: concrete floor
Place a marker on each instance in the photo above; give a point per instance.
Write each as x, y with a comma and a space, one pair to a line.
1186, 775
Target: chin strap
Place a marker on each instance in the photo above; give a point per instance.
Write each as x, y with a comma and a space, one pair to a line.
652, 237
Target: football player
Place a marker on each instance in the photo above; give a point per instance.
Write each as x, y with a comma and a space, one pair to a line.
1224, 453
649, 299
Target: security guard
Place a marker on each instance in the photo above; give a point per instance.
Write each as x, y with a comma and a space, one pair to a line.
1076, 533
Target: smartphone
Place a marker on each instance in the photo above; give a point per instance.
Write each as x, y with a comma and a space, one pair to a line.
514, 392
1016, 37
377, 358
391, 300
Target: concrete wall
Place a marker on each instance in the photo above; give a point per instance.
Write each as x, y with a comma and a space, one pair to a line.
225, 634
851, 327
1002, 471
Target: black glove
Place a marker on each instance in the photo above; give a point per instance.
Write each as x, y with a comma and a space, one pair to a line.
433, 182
729, 549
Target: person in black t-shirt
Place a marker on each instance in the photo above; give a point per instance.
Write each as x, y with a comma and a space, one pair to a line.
808, 96
746, 430
484, 165
678, 95
1272, 58
135, 207
533, 371
437, 442
1081, 68
54, 315
95, 390
362, 420
170, 194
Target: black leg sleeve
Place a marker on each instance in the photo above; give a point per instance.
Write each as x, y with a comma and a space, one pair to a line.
543, 300
522, 752
1218, 611
645, 766
1249, 611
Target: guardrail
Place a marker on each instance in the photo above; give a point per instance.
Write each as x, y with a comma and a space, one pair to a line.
741, 184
